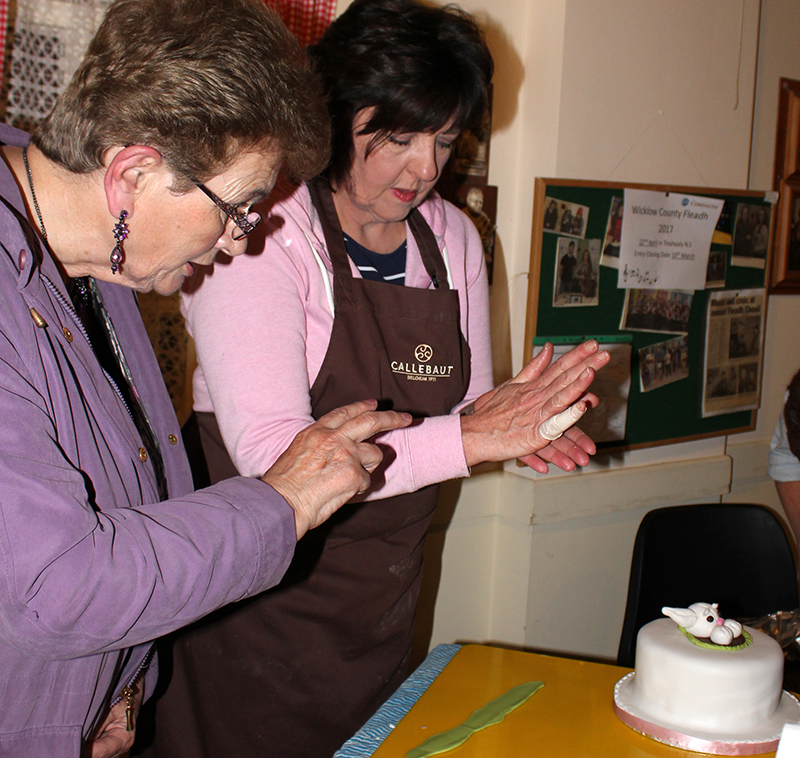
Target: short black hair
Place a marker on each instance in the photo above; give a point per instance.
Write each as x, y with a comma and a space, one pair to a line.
418, 66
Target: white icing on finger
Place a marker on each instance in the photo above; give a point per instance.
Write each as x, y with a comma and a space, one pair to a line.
554, 427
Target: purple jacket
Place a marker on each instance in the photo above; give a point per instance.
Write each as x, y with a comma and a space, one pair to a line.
92, 566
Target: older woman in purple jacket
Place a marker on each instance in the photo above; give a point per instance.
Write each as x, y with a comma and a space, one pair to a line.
178, 120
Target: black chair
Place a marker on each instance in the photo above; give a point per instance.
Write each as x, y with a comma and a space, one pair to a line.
734, 554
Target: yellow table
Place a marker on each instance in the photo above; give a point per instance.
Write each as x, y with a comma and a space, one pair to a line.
571, 716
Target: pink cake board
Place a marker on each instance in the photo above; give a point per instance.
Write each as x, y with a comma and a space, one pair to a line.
764, 740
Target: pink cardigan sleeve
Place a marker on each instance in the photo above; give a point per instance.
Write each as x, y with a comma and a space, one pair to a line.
262, 322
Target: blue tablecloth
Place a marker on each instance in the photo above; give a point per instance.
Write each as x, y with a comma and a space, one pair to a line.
367, 739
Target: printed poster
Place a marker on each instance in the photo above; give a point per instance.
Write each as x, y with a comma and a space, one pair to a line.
666, 239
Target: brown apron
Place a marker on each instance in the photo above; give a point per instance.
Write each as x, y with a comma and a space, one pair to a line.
294, 672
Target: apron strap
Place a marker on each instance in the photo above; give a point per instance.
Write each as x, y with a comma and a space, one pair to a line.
322, 198
429, 250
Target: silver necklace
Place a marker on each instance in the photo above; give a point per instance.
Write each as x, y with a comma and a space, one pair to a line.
33, 192
80, 285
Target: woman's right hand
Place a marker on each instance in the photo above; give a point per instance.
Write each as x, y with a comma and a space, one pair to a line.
508, 422
329, 462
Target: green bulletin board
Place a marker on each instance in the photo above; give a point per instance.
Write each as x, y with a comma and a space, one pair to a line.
672, 412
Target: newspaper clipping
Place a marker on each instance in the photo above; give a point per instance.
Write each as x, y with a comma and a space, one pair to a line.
734, 344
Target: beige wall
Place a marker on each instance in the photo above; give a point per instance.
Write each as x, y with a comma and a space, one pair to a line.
665, 91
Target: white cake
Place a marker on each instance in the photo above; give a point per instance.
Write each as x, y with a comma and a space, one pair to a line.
707, 684
719, 690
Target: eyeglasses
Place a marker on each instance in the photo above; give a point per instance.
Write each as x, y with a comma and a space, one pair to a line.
245, 221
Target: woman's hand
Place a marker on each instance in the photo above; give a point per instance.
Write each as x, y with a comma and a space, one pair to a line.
329, 462
112, 738
567, 452
572, 450
509, 421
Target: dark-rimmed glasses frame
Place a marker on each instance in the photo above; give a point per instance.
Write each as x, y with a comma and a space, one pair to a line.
239, 219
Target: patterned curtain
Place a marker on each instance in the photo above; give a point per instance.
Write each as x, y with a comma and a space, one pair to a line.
41, 45
49, 39
306, 19
3, 32
42, 42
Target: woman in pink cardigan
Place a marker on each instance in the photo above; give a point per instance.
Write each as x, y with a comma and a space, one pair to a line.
367, 285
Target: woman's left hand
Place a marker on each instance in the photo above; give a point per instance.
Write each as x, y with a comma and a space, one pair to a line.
567, 452
112, 738
524, 417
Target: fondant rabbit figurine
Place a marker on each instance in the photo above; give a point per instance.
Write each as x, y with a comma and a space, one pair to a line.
703, 621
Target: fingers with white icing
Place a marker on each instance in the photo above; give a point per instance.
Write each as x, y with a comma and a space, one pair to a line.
554, 427
529, 413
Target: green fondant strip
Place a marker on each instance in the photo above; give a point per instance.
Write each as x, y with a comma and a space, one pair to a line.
491, 713
748, 638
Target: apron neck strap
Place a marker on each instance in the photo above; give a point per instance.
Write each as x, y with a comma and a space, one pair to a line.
322, 197
429, 250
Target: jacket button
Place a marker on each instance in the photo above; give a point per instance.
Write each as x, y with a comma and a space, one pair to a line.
173, 440
67, 334
143, 455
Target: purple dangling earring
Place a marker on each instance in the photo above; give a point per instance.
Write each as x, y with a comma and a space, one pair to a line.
120, 233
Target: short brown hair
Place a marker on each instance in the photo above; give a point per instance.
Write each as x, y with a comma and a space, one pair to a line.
195, 79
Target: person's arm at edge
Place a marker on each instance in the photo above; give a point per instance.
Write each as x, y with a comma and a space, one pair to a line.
789, 494
784, 470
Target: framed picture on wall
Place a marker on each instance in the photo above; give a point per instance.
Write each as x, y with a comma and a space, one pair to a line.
479, 203
785, 276
787, 144
469, 159
786, 266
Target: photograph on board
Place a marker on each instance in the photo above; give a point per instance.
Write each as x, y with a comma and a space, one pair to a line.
722, 232
561, 217
751, 236
717, 268
663, 363
606, 423
657, 311
575, 280
613, 236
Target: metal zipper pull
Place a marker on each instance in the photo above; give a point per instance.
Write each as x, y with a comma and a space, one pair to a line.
38, 319
127, 693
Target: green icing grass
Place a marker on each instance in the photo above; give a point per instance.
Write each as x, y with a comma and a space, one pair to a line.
748, 638
491, 713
